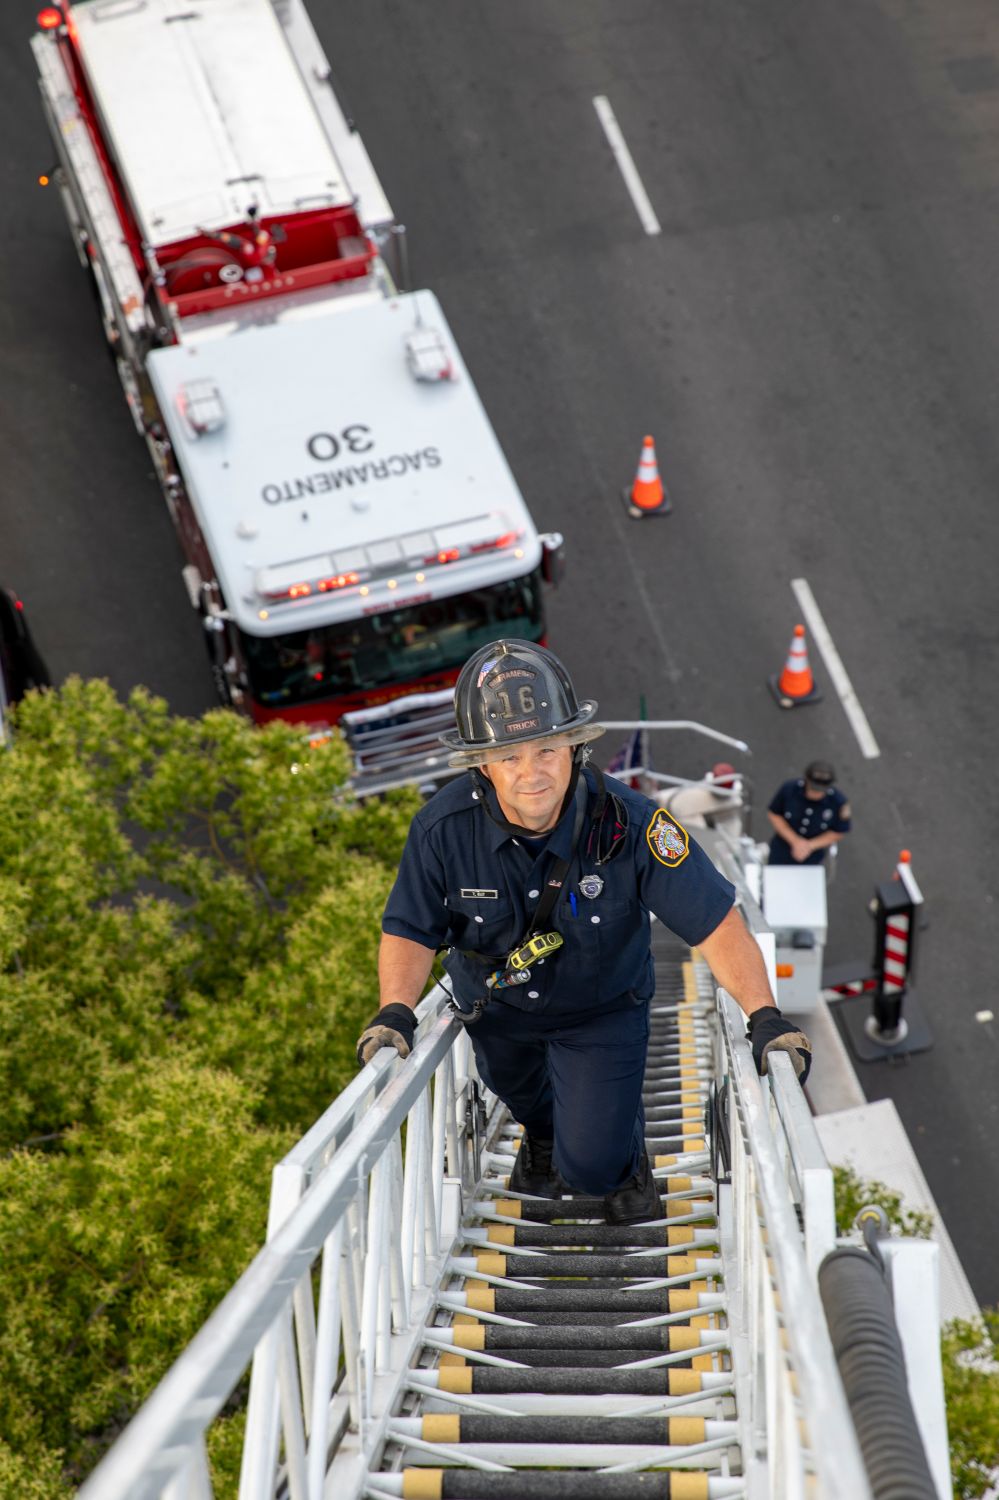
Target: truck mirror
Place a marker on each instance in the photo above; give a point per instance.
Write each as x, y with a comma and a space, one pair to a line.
552, 557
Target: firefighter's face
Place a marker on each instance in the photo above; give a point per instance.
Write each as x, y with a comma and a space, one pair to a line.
531, 782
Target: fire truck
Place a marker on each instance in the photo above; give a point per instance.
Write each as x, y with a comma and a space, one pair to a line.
350, 526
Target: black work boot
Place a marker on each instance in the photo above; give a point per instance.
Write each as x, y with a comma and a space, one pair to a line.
637, 1200
533, 1172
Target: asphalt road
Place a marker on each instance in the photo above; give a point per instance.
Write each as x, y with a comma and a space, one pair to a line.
811, 339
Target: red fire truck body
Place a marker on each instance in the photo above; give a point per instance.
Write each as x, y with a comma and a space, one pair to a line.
350, 527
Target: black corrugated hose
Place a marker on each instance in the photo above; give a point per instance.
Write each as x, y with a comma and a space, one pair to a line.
858, 1307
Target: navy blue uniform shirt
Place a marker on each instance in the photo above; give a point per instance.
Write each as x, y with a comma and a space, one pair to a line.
808, 818
467, 884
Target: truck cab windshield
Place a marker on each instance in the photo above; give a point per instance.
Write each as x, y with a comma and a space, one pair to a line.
400, 645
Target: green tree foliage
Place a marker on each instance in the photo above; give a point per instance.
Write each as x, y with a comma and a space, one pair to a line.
852, 1193
189, 916
971, 1386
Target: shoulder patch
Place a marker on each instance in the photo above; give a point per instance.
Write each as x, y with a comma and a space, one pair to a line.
844, 810
668, 839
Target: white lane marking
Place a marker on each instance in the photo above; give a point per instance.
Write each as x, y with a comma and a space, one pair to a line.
629, 171
835, 668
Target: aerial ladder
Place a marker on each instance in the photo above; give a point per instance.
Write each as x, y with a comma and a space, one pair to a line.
415, 1331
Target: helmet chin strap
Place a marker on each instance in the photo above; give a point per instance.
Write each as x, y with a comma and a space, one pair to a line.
483, 786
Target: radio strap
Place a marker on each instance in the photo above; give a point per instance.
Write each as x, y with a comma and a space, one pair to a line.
559, 869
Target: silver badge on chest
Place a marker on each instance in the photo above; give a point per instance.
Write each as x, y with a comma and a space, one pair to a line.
591, 886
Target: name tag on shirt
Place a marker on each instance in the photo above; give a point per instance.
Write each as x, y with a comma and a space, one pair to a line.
477, 895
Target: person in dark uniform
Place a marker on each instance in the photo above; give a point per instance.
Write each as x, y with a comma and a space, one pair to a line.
809, 815
534, 841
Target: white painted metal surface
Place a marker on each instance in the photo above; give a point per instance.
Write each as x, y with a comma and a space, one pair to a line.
800, 1441
205, 110
334, 461
914, 1276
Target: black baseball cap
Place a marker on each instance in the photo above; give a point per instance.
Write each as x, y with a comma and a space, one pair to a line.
820, 773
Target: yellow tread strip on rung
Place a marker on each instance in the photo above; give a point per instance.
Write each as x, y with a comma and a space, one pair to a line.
679, 1184
681, 1338
704, 1362
666, 1161
470, 1338
441, 1427
689, 982
422, 1484
696, 1143
471, 1285
452, 1362
693, 1112
463, 1319
684, 1430
501, 1234
510, 1208
685, 1383
688, 1486
456, 1382
691, 1127
683, 1301
679, 1208
491, 1264
480, 1299
681, 1265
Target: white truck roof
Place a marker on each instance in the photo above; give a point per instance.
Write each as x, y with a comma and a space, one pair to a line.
315, 459
207, 111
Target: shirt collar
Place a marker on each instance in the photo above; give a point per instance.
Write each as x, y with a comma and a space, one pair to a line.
560, 838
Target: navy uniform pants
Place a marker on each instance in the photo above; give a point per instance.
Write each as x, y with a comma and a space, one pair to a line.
576, 1080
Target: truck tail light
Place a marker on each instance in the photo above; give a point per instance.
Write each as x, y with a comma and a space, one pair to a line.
340, 581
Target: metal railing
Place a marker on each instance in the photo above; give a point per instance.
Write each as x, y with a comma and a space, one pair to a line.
366, 1209
377, 1223
797, 1436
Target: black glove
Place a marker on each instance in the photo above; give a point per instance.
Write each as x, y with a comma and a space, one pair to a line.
768, 1030
394, 1026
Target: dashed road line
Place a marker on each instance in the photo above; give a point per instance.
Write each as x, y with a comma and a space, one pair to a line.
629, 171
835, 668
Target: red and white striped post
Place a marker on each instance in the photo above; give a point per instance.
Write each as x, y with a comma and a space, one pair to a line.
895, 909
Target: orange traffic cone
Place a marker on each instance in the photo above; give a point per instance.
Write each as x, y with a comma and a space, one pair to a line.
647, 496
796, 684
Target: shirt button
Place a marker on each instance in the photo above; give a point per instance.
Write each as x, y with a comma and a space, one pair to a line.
532, 894
532, 995
479, 919
594, 919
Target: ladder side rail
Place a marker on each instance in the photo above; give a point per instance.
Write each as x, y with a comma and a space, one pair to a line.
162, 1441
810, 1176
87, 186
374, 210
426, 774
691, 724
334, 1126
794, 1380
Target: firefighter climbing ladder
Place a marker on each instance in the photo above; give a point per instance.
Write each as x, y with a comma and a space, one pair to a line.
467, 1343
